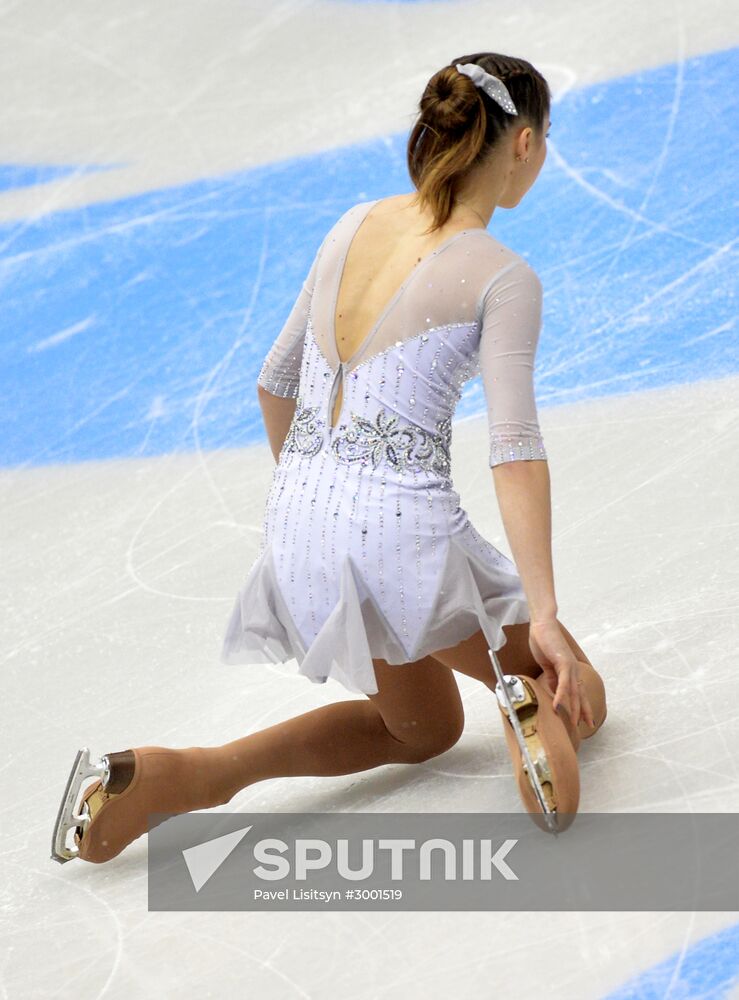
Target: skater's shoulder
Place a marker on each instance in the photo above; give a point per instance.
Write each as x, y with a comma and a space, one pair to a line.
502, 264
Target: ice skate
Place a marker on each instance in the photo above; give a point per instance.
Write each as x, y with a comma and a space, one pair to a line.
543, 746
114, 809
71, 816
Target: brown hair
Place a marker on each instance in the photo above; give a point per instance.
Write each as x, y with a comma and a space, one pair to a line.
459, 124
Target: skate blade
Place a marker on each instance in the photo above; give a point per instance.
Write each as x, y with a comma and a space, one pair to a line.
67, 819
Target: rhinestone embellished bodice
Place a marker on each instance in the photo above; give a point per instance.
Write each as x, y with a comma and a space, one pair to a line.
370, 432
471, 306
371, 443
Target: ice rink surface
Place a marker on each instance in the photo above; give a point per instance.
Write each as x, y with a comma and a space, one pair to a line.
166, 175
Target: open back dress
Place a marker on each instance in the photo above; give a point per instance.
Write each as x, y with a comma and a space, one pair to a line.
366, 552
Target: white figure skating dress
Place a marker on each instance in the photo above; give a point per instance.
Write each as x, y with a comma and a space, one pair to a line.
366, 551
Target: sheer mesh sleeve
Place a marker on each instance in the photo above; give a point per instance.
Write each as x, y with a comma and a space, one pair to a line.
510, 325
280, 372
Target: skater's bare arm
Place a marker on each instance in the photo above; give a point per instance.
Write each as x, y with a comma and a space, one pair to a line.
524, 497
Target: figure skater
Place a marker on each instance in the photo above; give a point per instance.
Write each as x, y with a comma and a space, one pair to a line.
369, 569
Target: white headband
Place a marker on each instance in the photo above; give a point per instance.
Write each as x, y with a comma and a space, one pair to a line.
492, 86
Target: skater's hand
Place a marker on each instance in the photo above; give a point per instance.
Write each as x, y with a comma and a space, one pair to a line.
553, 653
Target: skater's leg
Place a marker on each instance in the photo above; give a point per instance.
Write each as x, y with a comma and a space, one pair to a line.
416, 714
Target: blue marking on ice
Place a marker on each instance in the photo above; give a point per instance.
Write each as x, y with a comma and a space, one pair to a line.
708, 969
138, 327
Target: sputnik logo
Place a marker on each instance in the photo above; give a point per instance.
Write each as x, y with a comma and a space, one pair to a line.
203, 860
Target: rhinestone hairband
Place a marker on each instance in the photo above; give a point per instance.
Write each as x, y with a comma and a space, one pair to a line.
492, 86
